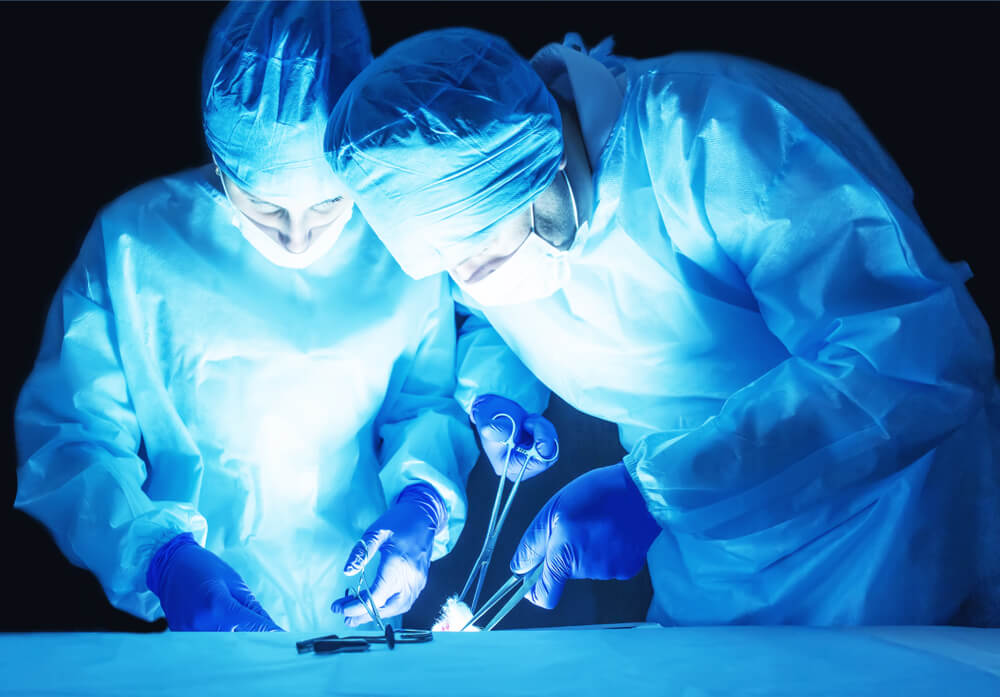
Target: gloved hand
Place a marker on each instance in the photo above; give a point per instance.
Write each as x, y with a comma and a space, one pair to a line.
200, 592
597, 527
405, 536
495, 417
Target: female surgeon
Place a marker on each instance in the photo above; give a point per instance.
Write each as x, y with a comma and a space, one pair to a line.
236, 379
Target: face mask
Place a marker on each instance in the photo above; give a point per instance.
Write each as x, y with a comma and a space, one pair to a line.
535, 271
278, 255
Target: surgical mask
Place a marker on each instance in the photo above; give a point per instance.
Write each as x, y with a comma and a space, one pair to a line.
277, 254
535, 271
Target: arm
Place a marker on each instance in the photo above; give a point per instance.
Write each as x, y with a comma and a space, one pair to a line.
427, 453
425, 436
486, 365
888, 354
78, 443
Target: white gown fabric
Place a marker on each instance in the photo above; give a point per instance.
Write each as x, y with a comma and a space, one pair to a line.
186, 384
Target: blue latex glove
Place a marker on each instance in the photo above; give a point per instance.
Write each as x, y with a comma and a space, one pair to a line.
597, 527
534, 436
405, 536
200, 592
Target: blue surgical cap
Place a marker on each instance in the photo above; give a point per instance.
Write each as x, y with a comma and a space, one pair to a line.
440, 137
271, 75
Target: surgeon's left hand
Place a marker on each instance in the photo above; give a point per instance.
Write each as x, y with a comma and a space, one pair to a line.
597, 527
502, 422
405, 536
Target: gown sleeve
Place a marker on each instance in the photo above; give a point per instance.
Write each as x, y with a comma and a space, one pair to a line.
79, 444
889, 358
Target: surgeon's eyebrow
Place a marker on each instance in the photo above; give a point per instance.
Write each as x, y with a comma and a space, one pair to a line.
259, 201
329, 200
251, 198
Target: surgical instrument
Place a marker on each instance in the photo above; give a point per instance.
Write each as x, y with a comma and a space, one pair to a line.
519, 584
363, 595
497, 517
334, 643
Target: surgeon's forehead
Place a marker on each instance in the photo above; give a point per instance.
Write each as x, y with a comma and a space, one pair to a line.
331, 192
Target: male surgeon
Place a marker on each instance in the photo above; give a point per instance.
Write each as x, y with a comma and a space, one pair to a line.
718, 256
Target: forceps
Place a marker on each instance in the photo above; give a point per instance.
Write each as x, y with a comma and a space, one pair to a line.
497, 517
363, 595
520, 584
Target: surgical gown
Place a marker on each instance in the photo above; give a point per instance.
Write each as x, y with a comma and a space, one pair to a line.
803, 383
185, 383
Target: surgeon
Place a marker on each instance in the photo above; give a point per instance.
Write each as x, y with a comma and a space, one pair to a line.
716, 255
236, 382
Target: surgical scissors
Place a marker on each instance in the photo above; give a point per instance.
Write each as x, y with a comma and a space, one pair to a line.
520, 584
497, 517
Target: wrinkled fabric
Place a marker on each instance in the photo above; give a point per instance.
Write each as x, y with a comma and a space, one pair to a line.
429, 173
479, 346
272, 73
186, 384
804, 384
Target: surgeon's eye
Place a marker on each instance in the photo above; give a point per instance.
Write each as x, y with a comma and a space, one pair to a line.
267, 209
328, 206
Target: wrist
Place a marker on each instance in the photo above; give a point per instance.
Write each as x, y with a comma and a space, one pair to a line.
160, 562
430, 503
647, 525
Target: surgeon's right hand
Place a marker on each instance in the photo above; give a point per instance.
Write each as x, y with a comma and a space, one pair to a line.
597, 527
200, 592
502, 422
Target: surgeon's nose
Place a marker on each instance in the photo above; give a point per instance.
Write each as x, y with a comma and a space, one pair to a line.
297, 241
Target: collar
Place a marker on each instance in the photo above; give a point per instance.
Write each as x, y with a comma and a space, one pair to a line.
576, 75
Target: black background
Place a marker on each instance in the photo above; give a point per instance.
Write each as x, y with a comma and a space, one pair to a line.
98, 98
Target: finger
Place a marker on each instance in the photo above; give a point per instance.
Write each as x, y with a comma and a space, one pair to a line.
544, 437
486, 406
398, 604
549, 586
531, 549
387, 580
360, 621
354, 609
258, 609
338, 605
500, 428
497, 418
366, 548
357, 614
237, 618
245, 597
